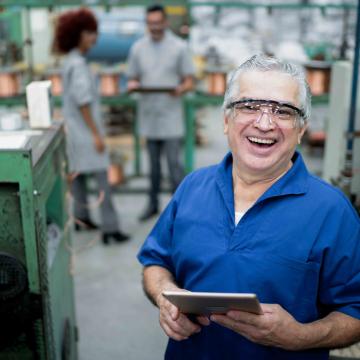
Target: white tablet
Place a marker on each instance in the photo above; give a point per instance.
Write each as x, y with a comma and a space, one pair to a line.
205, 303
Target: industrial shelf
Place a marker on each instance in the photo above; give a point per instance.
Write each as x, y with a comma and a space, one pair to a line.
239, 4
56, 3
191, 103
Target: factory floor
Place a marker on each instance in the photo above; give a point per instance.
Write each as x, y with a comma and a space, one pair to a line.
115, 319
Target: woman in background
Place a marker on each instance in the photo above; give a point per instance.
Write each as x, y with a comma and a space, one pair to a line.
75, 35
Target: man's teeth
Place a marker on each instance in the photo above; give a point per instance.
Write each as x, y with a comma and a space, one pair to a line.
261, 141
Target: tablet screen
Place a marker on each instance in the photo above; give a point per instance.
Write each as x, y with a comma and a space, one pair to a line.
205, 303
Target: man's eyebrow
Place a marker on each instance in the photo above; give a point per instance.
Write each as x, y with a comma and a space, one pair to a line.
280, 103
246, 98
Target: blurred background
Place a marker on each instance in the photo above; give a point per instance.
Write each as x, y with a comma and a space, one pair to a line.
320, 35
112, 317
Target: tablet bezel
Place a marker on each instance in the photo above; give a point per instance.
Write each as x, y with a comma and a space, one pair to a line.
206, 303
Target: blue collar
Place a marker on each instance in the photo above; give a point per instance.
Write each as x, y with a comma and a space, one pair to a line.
294, 182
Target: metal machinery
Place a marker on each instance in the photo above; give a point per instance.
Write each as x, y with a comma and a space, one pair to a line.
335, 147
10, 37
36, 287
10, 52
348, 178
195, 100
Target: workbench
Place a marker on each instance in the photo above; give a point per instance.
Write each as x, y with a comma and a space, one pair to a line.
35, 244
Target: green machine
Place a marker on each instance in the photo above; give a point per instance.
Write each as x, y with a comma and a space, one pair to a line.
37, 309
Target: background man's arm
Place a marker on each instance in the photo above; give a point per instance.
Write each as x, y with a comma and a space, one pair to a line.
187, 84
133, 84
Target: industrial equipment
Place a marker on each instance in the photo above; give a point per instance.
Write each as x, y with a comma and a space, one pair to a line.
118, 30
10, 37
9, 82
36, 286
335, 146
10, 53
349, 178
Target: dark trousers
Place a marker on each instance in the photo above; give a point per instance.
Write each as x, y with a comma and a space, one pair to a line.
172, 149
109, 220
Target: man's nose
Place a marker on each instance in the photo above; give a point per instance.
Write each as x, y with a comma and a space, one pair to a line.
265, 121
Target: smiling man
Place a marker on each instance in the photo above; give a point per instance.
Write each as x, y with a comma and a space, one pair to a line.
258, 222
160, 60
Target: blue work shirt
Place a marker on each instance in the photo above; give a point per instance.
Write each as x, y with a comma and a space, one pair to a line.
297, 246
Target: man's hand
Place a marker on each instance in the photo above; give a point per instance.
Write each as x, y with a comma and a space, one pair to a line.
178, 91
132, 85
276, 327
187, 84
99, 143
175, 324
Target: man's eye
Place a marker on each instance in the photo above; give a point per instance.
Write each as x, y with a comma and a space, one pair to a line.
249, 108
283, 112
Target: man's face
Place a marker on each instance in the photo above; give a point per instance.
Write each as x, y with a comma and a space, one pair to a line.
157, 24
261, 148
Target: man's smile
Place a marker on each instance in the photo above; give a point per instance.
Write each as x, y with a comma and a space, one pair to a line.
261, 141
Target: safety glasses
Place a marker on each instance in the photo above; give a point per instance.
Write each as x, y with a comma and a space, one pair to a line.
280, 114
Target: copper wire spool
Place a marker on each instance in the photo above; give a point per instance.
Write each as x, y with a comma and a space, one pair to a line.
56, 84
217, 83
115, 175
109, 84
9, 84
318, 78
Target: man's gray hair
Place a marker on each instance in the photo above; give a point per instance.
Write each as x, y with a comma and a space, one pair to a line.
265, 63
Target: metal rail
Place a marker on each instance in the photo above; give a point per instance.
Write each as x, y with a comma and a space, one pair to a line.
238, 4
354, 84
347, 173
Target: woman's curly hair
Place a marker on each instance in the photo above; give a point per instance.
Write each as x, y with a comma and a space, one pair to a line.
69, 27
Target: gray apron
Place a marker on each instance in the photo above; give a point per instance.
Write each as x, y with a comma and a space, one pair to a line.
80, 88
160, 64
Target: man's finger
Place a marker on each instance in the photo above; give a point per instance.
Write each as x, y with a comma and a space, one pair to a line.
241, 328
174, 312
171, 333
182, 326
245, 317
203, 320
269, 308
173, 326
188, 325
224, 321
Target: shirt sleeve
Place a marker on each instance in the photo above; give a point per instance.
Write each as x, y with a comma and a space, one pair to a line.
133, 68
340, 276
186, 63
81, 85
156, 249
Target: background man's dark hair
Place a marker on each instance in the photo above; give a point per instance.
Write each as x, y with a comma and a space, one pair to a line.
154, 8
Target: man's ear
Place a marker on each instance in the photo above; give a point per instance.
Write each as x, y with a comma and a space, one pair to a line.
302, 131
226, 124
